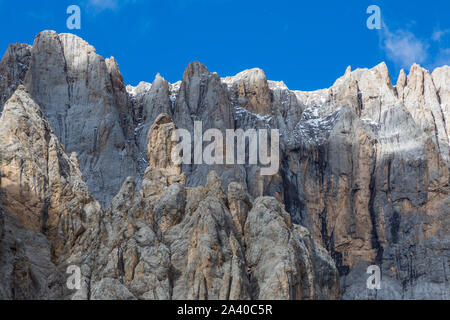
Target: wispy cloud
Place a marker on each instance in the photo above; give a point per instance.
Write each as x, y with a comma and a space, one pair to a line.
104, 5
438, 34
403, 47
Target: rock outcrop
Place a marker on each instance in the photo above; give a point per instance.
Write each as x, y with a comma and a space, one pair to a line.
164, 241
26, 269
149, 101
250, 91
13, 68
440, 80
363, 180
370, 180
283, 260
45, 203
168, 241
83, 97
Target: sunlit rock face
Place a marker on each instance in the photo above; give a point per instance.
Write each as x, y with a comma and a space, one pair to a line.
368, 175
46, 207
87, 180
83, 97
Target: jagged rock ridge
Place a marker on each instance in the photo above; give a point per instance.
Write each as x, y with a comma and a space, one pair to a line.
364, 173
164, 241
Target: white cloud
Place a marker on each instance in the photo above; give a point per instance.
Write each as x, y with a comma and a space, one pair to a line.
438, 34
103, 5
403, 48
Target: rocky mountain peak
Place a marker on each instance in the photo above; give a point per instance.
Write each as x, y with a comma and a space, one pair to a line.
363, 180
250, 90
195, 69
13, 68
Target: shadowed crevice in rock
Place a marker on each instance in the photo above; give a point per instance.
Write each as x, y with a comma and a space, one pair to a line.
13, 68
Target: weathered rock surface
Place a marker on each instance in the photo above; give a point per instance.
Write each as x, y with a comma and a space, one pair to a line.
46, 204
283, 260
2, 223
26, 269
149, 101
85, 101
363, 180
251, 91
370, 180
40, 184
13, 68
203, 97
164, 241
440, 80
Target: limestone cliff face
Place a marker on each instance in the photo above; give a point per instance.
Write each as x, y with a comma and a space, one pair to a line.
83, 97
440, 80
164, 241
149, 102
250, 90
46, 205
13, 68
363, 180
168, 241
368, 175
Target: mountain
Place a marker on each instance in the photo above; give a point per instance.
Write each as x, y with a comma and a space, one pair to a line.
87, 180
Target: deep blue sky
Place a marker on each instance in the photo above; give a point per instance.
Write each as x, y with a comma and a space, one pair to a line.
307, 44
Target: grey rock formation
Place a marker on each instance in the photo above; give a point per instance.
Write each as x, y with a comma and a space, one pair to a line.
363, 180
208, 261
13, 68
203, 97
85, 101
250, 90
149, 101
165, 241
111, 289
283, 261
440, 80
26, 269
2, 223
46, 204
369, 178
420, 97
40, 183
